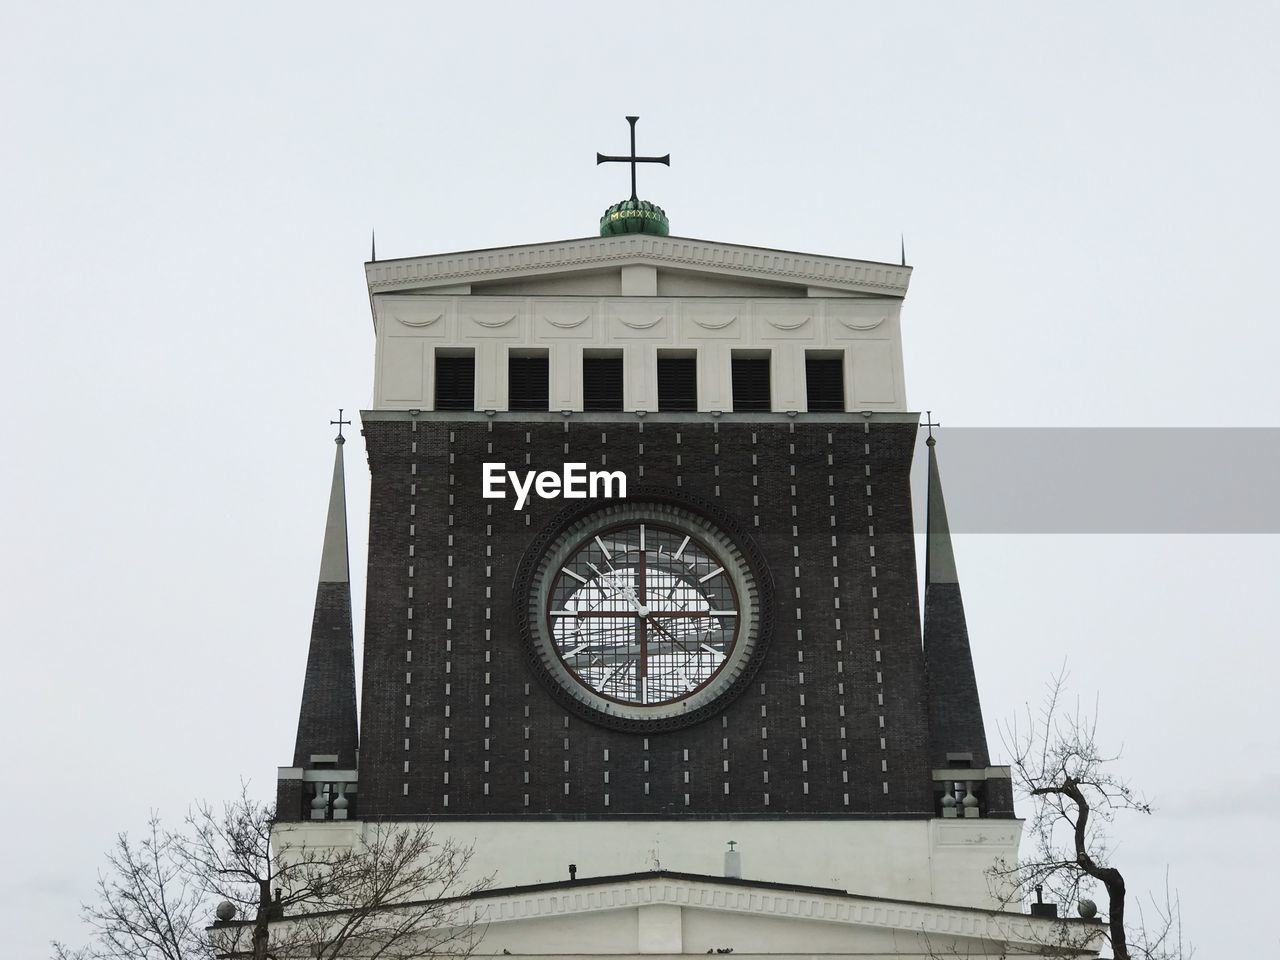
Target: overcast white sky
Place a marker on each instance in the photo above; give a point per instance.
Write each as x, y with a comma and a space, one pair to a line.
1089, 198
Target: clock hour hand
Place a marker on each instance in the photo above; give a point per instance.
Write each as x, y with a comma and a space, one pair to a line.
629, 593
613, 580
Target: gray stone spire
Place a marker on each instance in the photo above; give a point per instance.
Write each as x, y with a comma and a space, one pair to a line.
334, 565
955, 713
327, 719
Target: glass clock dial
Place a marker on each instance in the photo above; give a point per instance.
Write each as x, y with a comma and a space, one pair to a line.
644, 613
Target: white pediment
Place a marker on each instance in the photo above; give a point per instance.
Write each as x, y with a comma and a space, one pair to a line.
675, 914
593, 266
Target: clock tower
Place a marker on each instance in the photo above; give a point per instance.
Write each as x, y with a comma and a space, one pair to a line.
642, 581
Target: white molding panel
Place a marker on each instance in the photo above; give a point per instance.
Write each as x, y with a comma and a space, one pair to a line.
411, 328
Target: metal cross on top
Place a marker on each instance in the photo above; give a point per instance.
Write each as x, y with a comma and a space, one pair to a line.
340, 423
633, 159
928, 422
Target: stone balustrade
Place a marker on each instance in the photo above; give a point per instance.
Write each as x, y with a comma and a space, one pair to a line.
329, 794
973, 792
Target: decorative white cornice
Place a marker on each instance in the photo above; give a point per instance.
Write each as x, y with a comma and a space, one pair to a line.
544, 259
902, 916
642, 324
869, 325
568, 324
494, 322
715, 324
426, 321
793, 325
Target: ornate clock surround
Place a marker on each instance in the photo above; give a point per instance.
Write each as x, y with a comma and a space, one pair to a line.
753, 590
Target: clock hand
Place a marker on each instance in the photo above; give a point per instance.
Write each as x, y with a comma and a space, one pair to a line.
675, 640
610, 581
625, 590
630, 594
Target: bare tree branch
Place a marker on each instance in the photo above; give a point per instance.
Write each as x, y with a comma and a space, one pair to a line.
396, 893
147, 907
1059, 769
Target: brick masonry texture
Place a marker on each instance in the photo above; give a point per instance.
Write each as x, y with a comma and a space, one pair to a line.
804, 737
955, 713
327, 720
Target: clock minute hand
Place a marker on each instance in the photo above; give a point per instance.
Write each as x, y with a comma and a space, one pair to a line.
627, 591
612, 579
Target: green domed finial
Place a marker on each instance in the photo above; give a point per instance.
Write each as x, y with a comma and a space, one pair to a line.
634, 215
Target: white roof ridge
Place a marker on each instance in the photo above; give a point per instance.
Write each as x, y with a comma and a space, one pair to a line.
683, 253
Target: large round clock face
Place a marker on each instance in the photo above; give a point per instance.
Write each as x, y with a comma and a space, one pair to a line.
644, 612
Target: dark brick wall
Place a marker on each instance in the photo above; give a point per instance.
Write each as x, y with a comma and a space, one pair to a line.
839, 701
955, 713
289, 803
999, 797
327, 720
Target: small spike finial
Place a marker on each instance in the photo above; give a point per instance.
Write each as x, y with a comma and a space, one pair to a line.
373, 246
902, 240
340, 423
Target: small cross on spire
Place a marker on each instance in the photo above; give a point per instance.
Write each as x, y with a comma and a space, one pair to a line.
633, 159
340, 423
929, 424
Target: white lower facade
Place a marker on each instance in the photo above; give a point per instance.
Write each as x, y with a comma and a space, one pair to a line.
870, 890
934, 861
674, 916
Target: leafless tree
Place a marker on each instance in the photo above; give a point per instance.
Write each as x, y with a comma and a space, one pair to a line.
148, 907
1067, 779
396, 893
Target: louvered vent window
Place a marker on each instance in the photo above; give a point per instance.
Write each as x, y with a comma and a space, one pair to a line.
455, 383
601, 383
824, 383
677, 383
750, 383
527, 382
